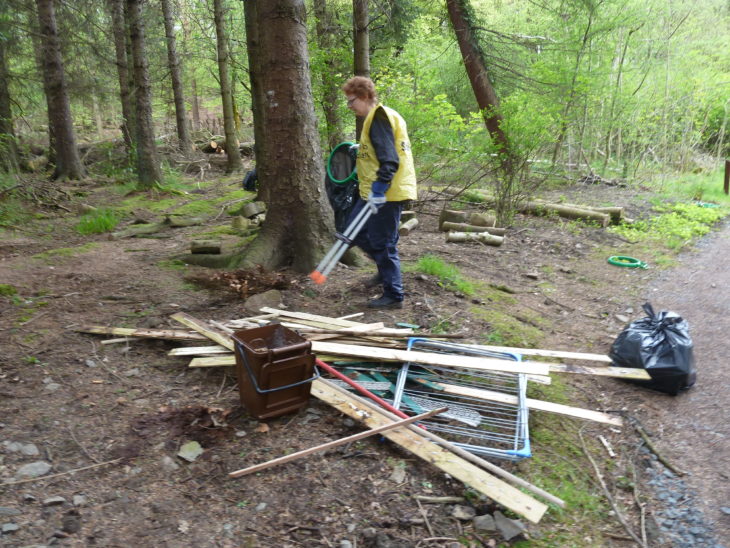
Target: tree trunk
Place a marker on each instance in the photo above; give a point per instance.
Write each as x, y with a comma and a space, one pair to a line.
476, 69
299, 221
326, 33
257, 97
149, 174
361, 42
119, 30
68, 162
9, 159
173, 61
233, 155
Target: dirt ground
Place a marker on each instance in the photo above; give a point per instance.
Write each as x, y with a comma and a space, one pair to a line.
118, 413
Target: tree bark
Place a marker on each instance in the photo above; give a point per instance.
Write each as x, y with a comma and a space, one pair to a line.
68, 162
9, 159
173, 61
361, 42
257, 96
229, 125
149, 174
326, 33
119, 30
299, 221
476, 69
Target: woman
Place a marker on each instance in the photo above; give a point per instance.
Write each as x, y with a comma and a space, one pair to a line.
387, 178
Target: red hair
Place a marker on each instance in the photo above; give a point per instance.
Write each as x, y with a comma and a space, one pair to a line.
361, 87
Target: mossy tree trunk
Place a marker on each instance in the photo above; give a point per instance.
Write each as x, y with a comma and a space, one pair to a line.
229, 124
119, 30
173, 62
361, 46
299, 222
9, 159
149, 174
68, 161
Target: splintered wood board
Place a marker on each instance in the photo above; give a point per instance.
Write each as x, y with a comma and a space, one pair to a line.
457, 467
328, 322
431, 358
538, 405
545, 353
601, 371
170, 334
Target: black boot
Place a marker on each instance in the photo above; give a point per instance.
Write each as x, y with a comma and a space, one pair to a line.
385, 302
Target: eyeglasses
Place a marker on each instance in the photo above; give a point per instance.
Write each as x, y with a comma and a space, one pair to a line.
351, 101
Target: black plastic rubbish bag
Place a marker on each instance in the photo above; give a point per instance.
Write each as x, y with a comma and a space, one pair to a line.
660, 344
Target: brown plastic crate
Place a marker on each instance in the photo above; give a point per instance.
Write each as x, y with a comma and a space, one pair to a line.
275, 367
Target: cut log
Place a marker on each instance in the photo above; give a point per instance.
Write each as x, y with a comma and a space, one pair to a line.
482, 219
405, 228
451, 216
583, 214
616, 213
407, 216
463, 227
251, 209
205, 246
482, 237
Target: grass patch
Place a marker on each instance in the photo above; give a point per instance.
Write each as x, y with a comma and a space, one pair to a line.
98, 222
172, 264
51, 254
506, 329
7, 290
448, 274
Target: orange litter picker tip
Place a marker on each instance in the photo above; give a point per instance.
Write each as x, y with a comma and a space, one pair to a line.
344, 241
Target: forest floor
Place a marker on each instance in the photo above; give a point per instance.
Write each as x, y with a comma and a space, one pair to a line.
117, 414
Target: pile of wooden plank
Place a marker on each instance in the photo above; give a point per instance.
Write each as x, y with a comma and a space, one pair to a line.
343, 339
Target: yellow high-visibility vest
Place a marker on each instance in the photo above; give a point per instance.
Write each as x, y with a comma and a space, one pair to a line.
403, 185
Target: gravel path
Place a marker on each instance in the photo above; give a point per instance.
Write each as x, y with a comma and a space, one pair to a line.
693, 428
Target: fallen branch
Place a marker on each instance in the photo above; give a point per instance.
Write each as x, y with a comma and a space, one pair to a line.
654, 450
335, 443
60, 473
619, 516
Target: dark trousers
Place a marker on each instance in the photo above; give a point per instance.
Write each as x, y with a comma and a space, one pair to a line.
379, 240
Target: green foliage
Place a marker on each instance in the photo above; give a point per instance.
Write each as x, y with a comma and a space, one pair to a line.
7, 290
677, 225
448, 274
98, 222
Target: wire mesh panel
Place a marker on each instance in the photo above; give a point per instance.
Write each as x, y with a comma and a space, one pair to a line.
487, 413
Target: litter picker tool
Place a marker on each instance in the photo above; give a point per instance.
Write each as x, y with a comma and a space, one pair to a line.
344, 241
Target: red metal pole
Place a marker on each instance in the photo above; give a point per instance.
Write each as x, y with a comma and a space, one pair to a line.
365, 392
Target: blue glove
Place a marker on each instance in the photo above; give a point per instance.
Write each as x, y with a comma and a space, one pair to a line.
377, 192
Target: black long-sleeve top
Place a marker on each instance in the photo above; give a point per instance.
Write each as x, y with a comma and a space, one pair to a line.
381, 135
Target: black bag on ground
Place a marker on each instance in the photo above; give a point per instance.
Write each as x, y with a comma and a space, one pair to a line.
341, 183
660, 344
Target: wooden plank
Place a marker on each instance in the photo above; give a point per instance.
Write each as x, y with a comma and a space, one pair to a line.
327, 321
213, 333
214, 361
430, 358
329, 445
457, 467
539, 405
170, 334
601, 371
198, 350
545, 353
